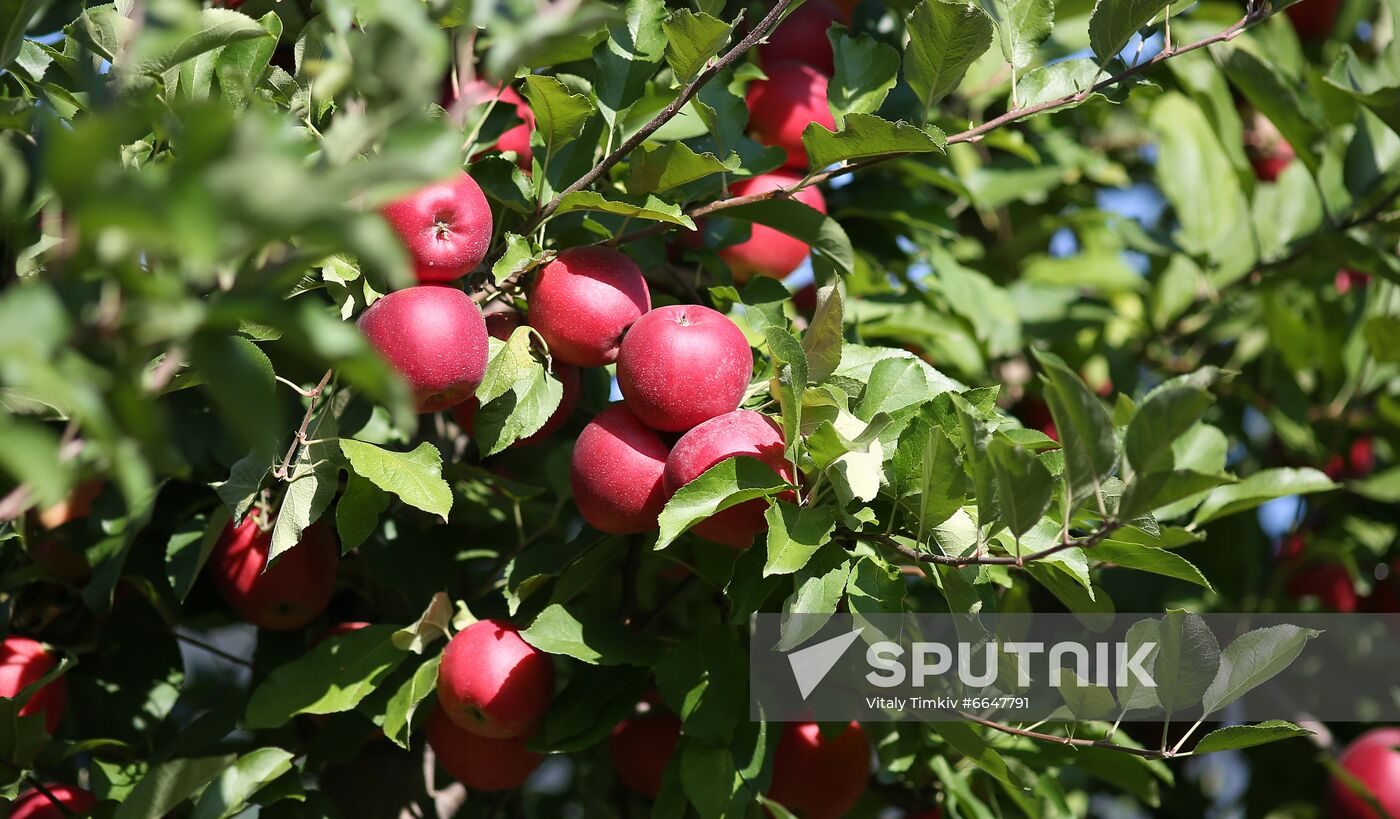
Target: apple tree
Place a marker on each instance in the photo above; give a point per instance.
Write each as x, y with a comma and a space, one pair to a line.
407, 403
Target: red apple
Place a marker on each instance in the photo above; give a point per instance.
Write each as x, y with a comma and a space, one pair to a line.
1269, 162
642, 748
1330, 583
76, 506
1314, 19
493, 683
1035, 414
801, 37
446, 226
35, 804
584, 300
616, 473
435, 337
820, 777
683, 364
1348, 280
287, 595
781, 106
481, 763
500, 324
1362, 456
805, 300
24, 662
768, 251
742, 432
479, 92
1373, 760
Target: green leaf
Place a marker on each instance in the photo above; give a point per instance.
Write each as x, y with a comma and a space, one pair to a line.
795, 533
1162, 490
518, 257
1235, 737
1260, 487
161, 48
238, 375
1133, 695
1085, 700
166, 786
594, 639
1160, 420
1114, 22
691, 40
727, 483
17, 15
189, 547
357, 512
1024, 485
649, 207
822, 339
241, 65
230, 793
866, 135
1298, 117
969, 741
1022, 25
1188, 658
518, 395
398, 714
866, 70
893, 384
334, 676
1069, 79
831, 246
1197, 177
559, 113
416, 477
313, 485
1383, 336
1085, 428
591, 705
790, 362
1254, 658
927, 473
817, 591
945, 39
653, 168
1383, 486
1375, 85
628, 58
241, 489
1149, 559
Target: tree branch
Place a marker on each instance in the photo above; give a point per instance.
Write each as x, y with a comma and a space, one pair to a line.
690, 90
300, 438
1017, 562
1059, 740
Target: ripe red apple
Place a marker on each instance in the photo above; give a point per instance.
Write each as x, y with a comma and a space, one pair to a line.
781, 106
821, 777
616, 472
435, 337
801, 37
805, 300
584, 300
76, 506
1314, 19
1035, 414
493, 683
1373, 760
1330, 583
768, 251
500, 324
24, 662
446, 226
35, 804
1270, 161
481, 763
291, 592
742, 432
642, 748
1348, 280
479, 92
683, 364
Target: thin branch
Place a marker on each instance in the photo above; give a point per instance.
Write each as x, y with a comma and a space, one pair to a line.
58, 804
690, 90
1018, 561
1059, 740
299, 439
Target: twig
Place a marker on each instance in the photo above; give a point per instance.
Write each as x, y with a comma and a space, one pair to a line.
1059, 740
1018, 562
690, 90
218, 652
281, 472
